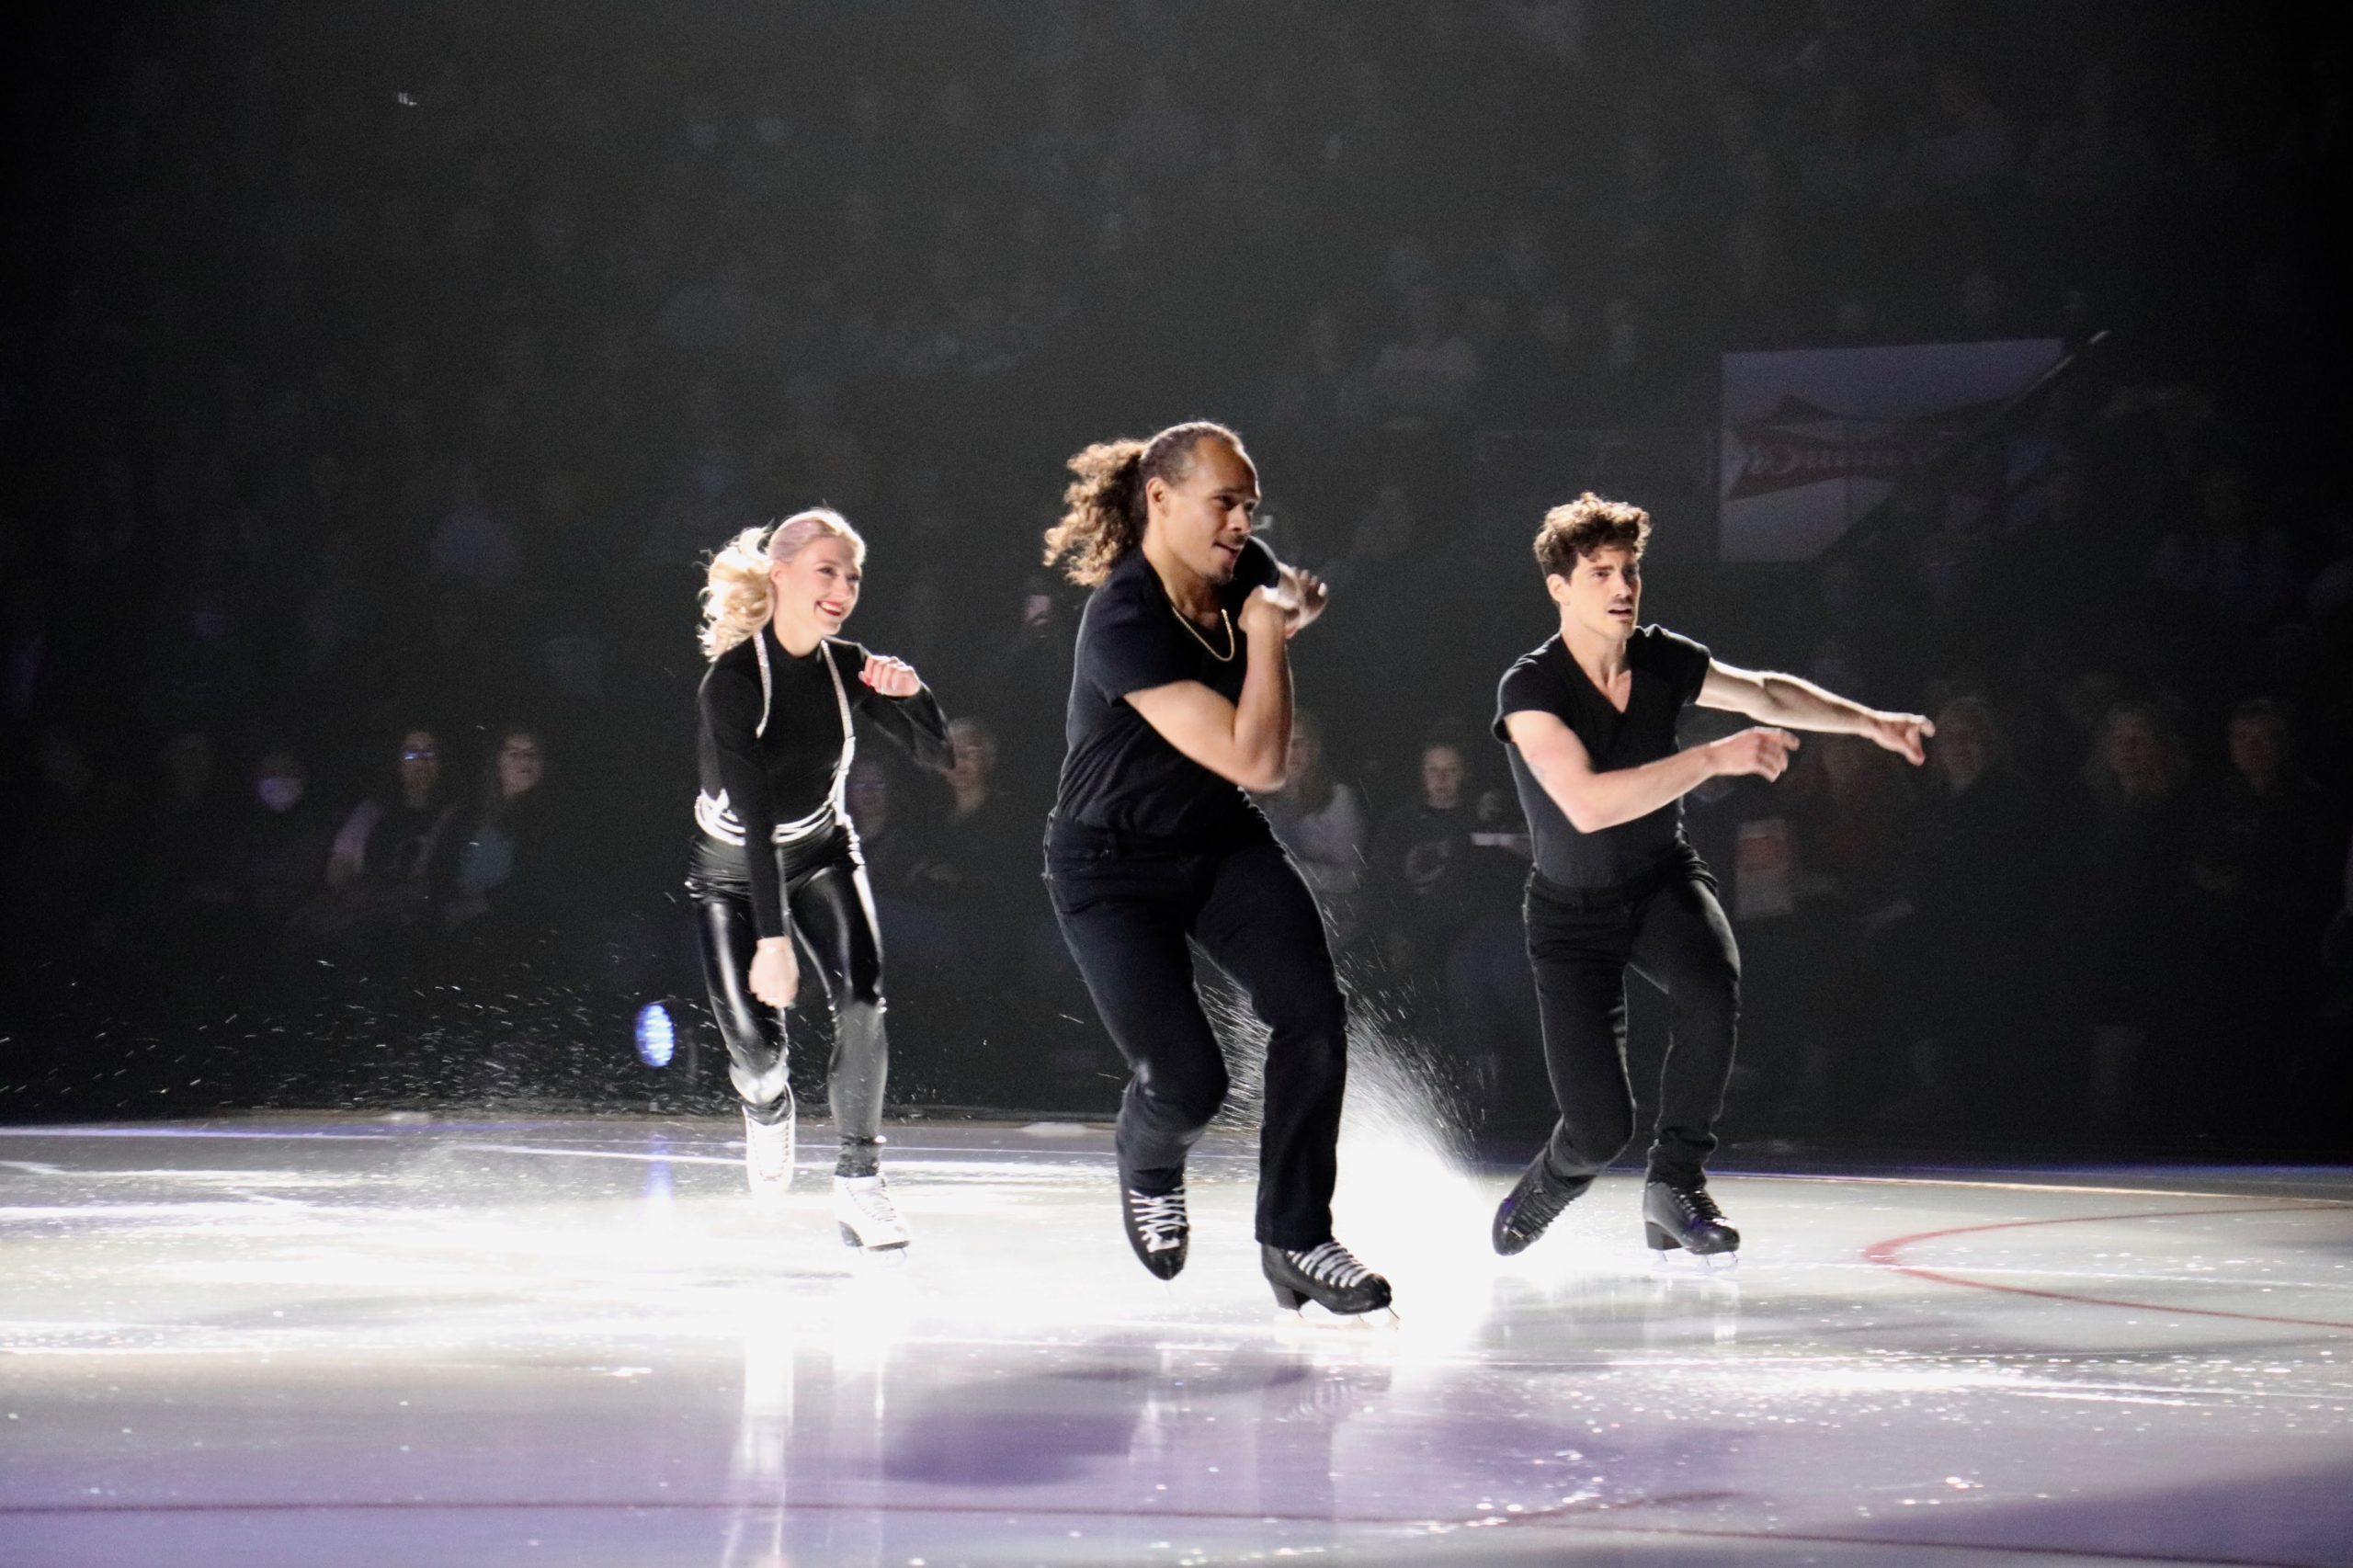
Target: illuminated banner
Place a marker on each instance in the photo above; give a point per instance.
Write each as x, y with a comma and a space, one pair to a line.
1814, 437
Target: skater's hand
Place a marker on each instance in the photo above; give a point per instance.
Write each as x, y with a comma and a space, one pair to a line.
1264, 613
1901, 734
1763, 751
891, 677
776, 972
1295, 598
1302, 595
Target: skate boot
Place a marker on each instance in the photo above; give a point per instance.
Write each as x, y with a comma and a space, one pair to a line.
767, 1152
1328, 1275
1156, 1228
1536, 1201
869, 1219
1685, 1217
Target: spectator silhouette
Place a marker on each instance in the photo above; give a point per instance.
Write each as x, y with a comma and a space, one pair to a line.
2265, 844
505, 872
1953, 949
2127, 916
378, 873
277, 853
1322, 822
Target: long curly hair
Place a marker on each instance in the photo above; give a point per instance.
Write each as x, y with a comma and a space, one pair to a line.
736, 597
1103, 509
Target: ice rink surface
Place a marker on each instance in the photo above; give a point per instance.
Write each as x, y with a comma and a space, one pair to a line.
359, 1342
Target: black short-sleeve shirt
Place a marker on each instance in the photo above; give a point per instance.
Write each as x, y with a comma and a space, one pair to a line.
1118, 771
1668, 671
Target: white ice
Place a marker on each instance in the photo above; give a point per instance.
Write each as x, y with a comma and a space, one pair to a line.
339, 1341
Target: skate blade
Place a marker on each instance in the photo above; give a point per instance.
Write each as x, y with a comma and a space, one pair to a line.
1312, 1318
850, 1239
1678, 1262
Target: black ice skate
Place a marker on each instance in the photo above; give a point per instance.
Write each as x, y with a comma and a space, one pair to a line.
1328, 1275
1685, 1217
1528, 1209
1156, 1228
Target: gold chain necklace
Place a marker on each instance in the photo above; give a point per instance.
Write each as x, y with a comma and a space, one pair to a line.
1187, 623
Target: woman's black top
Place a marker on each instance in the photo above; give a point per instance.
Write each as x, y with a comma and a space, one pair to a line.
778, 736
1668, 671
1119, 772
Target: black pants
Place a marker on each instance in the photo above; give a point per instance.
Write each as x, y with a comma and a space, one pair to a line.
832, 911
1667, 927
1127, 906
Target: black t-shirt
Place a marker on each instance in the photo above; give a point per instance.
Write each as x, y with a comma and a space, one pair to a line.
1668, 671
1118, 771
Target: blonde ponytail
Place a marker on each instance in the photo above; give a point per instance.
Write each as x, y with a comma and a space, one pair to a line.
736, 597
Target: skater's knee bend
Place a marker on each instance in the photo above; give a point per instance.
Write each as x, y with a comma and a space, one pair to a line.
1313, 1015
1719, 994
1189, 1098
1590, 1140
1708, 987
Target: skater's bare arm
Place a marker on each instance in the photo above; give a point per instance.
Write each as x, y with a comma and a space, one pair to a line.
1775, 699
1593, 799
1243, 741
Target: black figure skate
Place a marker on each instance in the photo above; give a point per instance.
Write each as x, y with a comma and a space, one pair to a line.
1327, 1275
1156, 1228
1687, 1217
1528, 1209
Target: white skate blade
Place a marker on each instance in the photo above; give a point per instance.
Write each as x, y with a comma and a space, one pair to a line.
882, 1260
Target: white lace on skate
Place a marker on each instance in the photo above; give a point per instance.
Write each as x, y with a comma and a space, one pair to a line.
1330, 1263
1159, 1220
768, 1154
868, 1218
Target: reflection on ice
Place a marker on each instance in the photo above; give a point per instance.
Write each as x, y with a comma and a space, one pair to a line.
435, 1344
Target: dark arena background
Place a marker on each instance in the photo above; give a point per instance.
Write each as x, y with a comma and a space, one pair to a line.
376, 382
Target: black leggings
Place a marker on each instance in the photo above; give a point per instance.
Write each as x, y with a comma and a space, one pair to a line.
832, 912
1127, 907
1670, 930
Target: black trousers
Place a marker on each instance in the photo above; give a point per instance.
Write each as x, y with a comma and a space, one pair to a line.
1668, 929
832, 911
1129, 906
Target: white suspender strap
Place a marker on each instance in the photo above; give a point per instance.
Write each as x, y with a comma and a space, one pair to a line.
840, 797
767, 682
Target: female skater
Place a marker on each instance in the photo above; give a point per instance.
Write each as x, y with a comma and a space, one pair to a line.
775, 853
1181, 699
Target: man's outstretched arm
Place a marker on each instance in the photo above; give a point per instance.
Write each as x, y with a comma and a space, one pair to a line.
1594, 801
1773, 698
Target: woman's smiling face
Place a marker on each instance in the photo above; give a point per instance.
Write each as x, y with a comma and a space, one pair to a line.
820, 584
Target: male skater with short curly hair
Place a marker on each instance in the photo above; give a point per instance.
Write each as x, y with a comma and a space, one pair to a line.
1588, 717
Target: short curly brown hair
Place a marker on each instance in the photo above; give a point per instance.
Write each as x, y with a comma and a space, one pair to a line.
1586, 525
